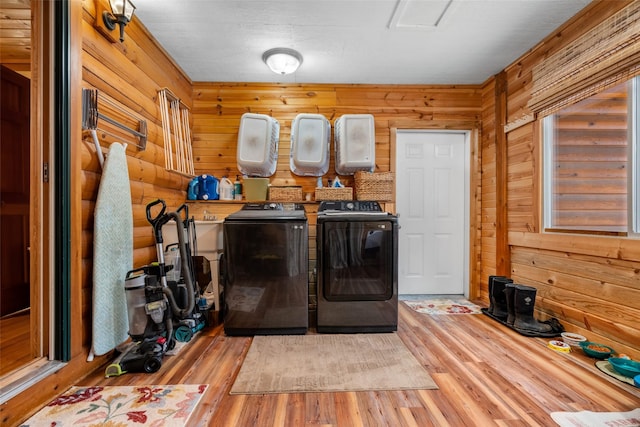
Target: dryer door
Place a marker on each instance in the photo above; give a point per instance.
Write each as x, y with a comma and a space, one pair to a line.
358, 261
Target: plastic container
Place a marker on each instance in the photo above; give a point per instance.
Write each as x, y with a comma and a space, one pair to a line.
258, 139
626, 367
310, 137
207, 187
237, 189
136, 300
572, 339
226, 189
255, 189
559, 346
192, 190
172, 257
599, 351
355, 140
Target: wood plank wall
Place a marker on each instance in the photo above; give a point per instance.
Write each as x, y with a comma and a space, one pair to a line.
218, 107
590, 283
488, 210
130, 73
15, 35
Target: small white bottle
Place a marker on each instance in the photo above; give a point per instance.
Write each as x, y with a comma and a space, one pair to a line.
226, 189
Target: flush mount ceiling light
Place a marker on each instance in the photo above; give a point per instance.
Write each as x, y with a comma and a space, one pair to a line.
121, 13
282, 60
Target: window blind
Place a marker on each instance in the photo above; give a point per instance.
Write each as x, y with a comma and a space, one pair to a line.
599, 59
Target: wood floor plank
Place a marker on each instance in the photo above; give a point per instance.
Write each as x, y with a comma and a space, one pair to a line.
295, 410
487, 375
347, 409
435, 410
14, 349
320, 409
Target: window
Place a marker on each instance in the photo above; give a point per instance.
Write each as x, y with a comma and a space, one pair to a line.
590, 163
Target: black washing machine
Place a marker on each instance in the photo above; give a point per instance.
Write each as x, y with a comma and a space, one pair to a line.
264, 270
357, 267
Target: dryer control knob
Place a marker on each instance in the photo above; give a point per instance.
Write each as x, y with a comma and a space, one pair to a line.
350, 206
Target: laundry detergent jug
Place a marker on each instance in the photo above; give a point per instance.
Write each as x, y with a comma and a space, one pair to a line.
226, 189
192, 189
208, 187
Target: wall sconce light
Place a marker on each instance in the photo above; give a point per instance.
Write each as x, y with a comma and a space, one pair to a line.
121, 14
282, 60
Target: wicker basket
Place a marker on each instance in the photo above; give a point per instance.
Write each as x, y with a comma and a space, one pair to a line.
285, 194
334, 193
374, 186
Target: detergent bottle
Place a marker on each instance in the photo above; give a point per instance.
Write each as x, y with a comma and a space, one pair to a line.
226, 189
192, 189
237, 188
208, 187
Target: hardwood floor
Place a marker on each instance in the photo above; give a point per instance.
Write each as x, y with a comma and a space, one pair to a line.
14, 342
487, 375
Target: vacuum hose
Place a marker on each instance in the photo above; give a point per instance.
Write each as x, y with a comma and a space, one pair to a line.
180, 312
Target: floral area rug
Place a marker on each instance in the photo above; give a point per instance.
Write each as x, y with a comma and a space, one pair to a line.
153, 405
443, 306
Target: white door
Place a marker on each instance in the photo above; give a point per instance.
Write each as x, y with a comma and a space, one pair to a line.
431, 200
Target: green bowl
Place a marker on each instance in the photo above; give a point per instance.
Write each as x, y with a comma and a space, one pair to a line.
626, 367
602, 352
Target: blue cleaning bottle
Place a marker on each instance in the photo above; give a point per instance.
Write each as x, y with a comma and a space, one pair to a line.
192, 189
208, 187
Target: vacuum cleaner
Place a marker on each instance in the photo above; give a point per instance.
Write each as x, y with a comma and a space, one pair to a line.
160, 311
182, 294
150, 325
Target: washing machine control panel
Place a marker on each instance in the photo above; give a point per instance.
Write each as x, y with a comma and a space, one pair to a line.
350, 206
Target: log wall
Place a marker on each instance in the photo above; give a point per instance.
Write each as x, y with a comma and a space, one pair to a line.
590, 283
130, 73
15, 35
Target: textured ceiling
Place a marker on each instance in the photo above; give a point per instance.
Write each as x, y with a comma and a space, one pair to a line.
352, 41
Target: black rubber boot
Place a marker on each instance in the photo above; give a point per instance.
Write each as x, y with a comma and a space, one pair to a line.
509, 291
524, 301
498, 297
491, 298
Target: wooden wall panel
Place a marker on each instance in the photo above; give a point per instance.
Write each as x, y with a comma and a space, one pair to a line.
488, 249
521, 190
590, 283
591, 292
218, 107
130, 73
15, 35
